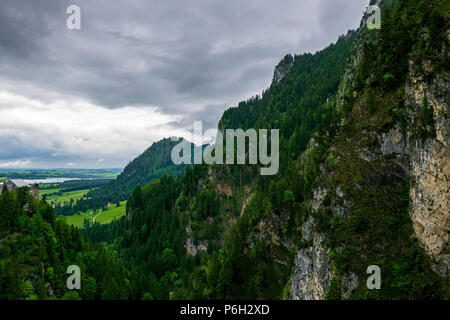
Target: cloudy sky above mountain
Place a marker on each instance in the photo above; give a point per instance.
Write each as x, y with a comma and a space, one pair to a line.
141, 70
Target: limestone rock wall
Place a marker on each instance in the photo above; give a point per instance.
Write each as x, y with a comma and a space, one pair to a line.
430, 172
313, 271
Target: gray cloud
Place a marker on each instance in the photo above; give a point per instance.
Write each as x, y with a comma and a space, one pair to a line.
189, 59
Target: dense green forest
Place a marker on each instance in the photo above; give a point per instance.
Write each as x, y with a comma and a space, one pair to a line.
225, 231
36, 249
296, 105
243, 263
150, 165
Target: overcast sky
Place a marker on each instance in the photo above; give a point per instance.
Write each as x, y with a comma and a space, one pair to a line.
141, 70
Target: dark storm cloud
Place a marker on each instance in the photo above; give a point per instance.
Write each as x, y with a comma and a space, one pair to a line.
338, 15
22, 25
187, 58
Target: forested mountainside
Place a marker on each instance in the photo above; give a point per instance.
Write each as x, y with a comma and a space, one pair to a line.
36, 248
369, 190
381, 196
150, 165
363, 180
176, 230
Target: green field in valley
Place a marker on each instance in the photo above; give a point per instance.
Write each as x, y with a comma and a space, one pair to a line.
58, 196
64, 196
100, 216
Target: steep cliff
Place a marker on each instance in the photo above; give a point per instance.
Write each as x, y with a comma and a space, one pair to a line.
392, 142
363, 180
429, 162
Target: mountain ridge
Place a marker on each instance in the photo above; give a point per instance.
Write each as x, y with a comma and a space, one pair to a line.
363, 181
352, 122
153, 163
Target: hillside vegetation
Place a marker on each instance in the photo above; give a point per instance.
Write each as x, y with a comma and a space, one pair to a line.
227, 232
342, 198
36, 249
364, 132
150, 165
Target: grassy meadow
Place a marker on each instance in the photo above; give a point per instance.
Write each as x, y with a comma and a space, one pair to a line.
101, 216
59, 196
64, 196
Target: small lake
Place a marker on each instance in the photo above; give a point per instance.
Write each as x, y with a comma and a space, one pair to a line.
49, 180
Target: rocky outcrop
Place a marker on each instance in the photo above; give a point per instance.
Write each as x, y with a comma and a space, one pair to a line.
190, 246
430, 171
313, 270
193, 249
283, 68
224, 189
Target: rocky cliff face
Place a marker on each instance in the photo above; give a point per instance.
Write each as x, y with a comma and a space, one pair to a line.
430, 170
425, 161
313, 269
